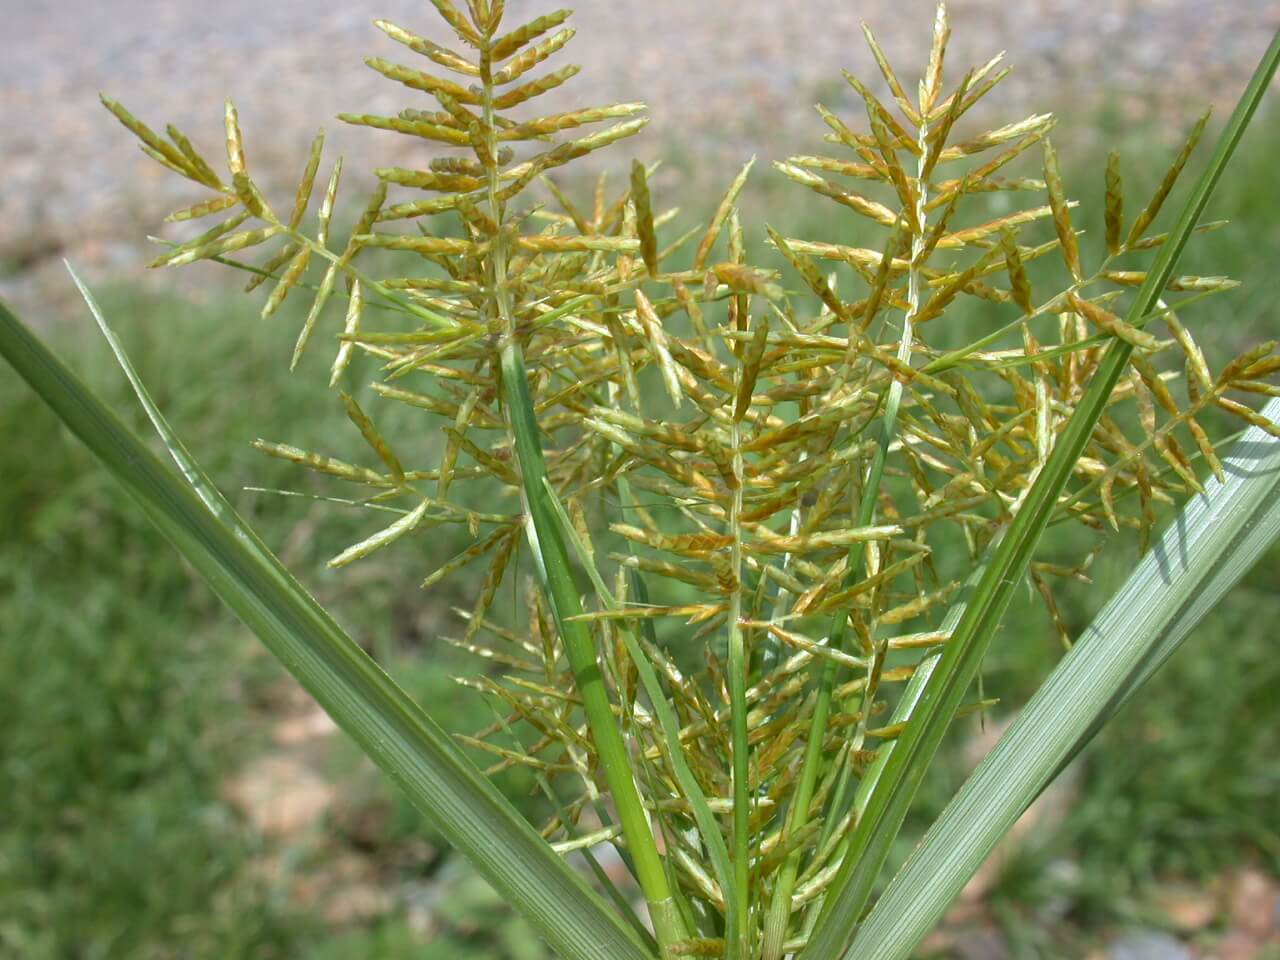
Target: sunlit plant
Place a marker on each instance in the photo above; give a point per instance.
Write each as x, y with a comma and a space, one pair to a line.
774, 515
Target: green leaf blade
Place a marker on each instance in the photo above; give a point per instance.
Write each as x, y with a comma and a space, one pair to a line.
1214, 542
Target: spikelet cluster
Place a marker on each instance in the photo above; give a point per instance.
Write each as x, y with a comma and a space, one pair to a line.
756, 480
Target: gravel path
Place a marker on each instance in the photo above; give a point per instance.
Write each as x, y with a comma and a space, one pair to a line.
739, 74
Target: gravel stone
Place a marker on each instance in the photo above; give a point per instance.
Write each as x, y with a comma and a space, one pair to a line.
1148, 945
724, 79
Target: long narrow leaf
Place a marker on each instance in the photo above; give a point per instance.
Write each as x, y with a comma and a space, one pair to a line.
877, 829
410, 747
1215, 541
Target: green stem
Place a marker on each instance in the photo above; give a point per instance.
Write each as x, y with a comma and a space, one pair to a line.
740, 936
669, 723
552, 557
562, 593
779, 916
903, 711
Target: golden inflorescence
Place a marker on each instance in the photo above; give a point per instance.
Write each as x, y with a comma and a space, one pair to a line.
778, 465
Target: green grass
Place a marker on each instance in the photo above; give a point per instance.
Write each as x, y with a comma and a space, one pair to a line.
127, 695
115, 691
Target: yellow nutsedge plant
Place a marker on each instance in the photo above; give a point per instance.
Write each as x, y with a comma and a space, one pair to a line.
751, 497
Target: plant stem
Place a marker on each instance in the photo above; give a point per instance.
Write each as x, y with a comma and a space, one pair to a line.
739, 938
779, 916
667, 719
557, 576
562, 594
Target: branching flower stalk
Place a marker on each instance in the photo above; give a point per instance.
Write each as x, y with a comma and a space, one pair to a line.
545, 540
773, 518
778, 920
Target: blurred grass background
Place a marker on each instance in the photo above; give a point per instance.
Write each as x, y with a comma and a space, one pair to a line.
131, 705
